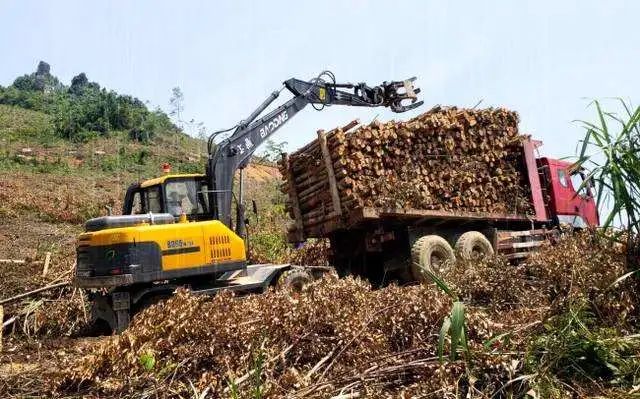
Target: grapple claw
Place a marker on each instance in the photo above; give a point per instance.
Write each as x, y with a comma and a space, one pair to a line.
396, 92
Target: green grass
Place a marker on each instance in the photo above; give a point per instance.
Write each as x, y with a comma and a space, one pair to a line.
26, 126
575, 348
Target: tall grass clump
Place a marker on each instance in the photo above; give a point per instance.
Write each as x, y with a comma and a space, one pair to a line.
610, 150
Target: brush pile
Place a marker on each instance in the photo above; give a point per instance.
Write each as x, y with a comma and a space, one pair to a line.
35, 289
339, 337
318, 344
447, 159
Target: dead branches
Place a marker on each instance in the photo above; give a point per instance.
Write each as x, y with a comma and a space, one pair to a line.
33, 292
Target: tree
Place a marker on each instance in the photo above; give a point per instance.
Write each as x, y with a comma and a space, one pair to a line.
272, 150
25, 83
176, 104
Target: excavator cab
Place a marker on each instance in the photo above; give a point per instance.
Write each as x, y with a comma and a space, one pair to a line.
166, 232
173, 194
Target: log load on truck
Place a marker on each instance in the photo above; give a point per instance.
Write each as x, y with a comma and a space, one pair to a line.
398, 197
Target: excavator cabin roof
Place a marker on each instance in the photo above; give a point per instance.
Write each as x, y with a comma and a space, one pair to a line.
162, 179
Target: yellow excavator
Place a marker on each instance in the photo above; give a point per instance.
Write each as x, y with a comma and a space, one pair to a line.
177, 230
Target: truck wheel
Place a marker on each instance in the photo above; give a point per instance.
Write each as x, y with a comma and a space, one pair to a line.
430, 253
473, 245
295, 279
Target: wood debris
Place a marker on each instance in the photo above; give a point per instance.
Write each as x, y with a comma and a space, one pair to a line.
341, 337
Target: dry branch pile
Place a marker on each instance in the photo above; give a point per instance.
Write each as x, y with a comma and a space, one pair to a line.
37, 296
339, 337
314, 345
446, 159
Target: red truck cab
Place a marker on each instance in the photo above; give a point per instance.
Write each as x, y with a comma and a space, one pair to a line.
566, 202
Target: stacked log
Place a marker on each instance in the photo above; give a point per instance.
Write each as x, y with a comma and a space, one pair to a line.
447, 159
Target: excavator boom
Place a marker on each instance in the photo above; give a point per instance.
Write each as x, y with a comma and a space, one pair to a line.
235, 152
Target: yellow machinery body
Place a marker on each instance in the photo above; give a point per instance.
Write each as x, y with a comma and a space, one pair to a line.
151, 252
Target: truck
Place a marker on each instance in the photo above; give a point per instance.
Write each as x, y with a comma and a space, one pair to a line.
385, 244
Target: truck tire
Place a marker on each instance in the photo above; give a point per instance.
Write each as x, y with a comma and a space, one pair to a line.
430, 253
473, 245
295, 279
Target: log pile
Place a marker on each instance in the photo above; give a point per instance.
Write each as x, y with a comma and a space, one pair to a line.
447, 159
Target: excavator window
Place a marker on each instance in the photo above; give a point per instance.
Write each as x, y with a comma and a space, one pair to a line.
154, 202
186, 196
181, 197
142, 200
175, 196
136, 204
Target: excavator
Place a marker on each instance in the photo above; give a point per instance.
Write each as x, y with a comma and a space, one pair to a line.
177, 230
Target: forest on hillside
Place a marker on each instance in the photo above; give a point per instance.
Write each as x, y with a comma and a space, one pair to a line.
83, 109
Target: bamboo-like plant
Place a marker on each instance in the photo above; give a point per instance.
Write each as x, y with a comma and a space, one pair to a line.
453, 325
610, 150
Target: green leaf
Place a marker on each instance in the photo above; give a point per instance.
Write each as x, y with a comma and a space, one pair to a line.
457, 328
439, 282
446, 326
623, 277
498, 337
614, 164
147, 360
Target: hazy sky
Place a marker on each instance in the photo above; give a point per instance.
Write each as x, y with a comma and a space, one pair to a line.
541, 58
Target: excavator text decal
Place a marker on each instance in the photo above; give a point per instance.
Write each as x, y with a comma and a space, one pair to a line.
274, 124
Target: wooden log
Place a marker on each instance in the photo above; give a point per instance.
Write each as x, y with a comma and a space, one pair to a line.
335, 196
36, 291
14, 261
445, 159
314, 144
47, 259
313, 222
293, 196
312, 189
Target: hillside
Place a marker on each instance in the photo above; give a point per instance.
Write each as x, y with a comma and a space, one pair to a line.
68, 152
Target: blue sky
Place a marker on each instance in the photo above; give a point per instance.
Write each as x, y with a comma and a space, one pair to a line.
544, 59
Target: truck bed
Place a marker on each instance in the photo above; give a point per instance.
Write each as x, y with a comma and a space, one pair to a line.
360, 217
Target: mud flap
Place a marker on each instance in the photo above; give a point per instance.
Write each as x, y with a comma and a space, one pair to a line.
113, 309
121, 306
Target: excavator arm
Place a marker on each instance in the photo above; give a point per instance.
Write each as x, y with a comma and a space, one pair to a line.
234, 152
